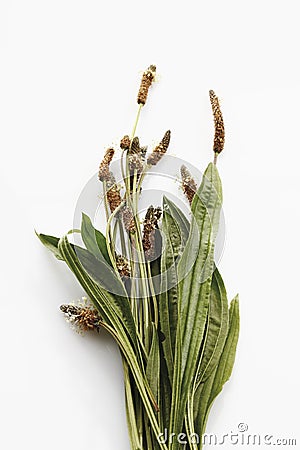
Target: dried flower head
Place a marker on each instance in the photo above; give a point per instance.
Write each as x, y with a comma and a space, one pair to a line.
84, 317
135, 160
137, 149
113, 192
188, 184
123, 266
219, 138
135, 146
147, 79
135, 163
152, 216
150, 224
128, 220
125, 142
160, 150
143, 151
103, 173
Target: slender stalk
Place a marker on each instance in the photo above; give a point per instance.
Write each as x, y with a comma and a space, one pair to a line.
106, 206
114, 235
134, 436
122, 238
133, 202
189, 422
133, 293
144, 300
142, 176
154, 299
148, 433
136, 120
109, 238
125, 174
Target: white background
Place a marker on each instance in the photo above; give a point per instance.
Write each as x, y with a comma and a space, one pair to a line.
69, 76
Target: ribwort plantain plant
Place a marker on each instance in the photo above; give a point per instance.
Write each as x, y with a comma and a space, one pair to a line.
161, 297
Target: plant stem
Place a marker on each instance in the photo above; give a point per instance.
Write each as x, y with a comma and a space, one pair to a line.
154, 299
144, 299
130, 410
109, 238
125, 174
106, 206
136, 121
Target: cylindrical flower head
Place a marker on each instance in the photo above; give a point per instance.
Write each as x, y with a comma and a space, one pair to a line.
147, 79
188, 184
160, 150
125, 142
150, 225
113, 193
123, 266
135, 145
128, 220
103, 173
219, 138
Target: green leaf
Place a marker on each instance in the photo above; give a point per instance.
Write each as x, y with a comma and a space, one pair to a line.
168, 308
215, 338
217, 328
115, 308
153, 365
93, 239
105, 278
101, 273
165, 395
175, 229
131, 416
179, 218
194, 290
226, 362
51, 243
211, 388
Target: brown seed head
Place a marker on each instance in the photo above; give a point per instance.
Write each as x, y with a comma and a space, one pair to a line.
160, 150
125, 142
103, 173
136, 159
128, 220
113, 192
84, 317
150, 225
188, 184
147, 79
149, 244
135, 163
135, 146
219, 138
123, 266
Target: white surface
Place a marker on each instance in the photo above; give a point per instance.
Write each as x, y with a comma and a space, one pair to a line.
68, 81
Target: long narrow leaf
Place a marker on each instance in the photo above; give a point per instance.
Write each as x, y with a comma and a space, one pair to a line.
217, 328
211, 388
194, 290
175, 229
93, 239
51, 243
214, 341
153, 365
